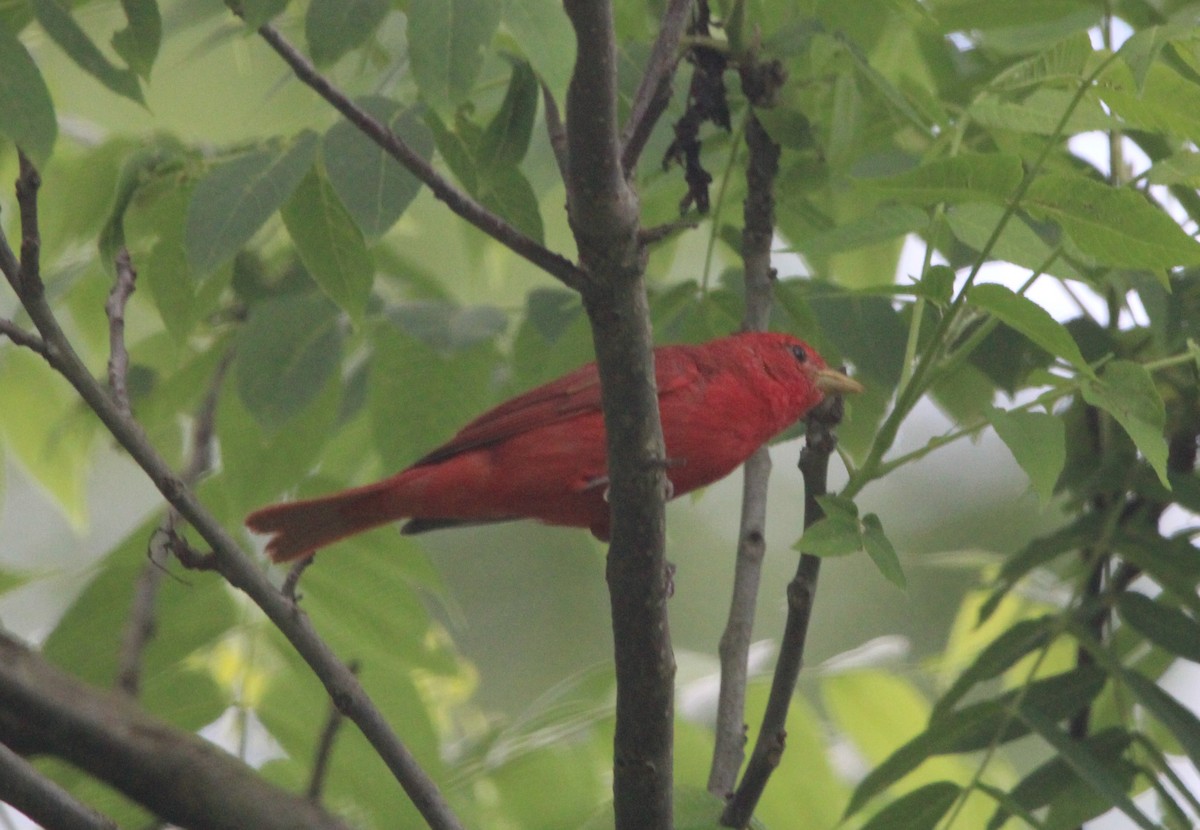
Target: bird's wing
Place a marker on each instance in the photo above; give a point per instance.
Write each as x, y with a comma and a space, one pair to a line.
574, 394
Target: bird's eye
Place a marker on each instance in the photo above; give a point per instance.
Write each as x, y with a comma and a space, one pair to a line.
800, 354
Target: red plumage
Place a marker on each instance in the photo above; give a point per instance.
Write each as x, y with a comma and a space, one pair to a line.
541, 455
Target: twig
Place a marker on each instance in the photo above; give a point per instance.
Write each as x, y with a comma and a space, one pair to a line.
652, 236
226, 555
820, 442
556, 131
21, 337
757, 234
654, 91
293, 577
140, 627
469, 209
333, 724
42, 800
118, 355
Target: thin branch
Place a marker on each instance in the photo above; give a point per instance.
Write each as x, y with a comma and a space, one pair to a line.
42, 800
820, 442
654, 91
118, 356
556, 131
176, 774
333, 724
140, 627
293, 578
28, 183
656, 234
462, 204
757, 234
21, 337
228, 557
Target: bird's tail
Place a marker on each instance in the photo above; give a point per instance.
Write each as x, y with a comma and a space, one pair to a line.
300, 527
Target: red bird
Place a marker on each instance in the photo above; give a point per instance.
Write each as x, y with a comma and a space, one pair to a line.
541, 455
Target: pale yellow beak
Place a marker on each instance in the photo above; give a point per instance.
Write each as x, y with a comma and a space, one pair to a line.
833, 382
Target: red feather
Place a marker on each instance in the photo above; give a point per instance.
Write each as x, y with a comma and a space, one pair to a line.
541, 455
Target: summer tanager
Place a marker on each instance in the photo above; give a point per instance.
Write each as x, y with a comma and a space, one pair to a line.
542, 456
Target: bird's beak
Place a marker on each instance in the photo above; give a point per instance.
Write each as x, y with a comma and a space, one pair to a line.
833, 382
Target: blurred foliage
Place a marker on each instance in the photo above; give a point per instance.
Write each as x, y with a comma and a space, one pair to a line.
365, 324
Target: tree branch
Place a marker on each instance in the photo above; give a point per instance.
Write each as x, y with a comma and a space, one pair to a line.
233, 564
139, 628
42, 800
176, 774
603, 212
333, 724
493, 225
654, 92
118, 356
21, 337
820, 442
757, 234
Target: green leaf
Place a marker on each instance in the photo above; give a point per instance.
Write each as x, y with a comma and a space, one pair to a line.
981, 725
446, 39
1142, 48
1178, 719
880, 549
1099, 775
233, 200
448, 326
405, 373
287, 351
329, 243
1181, 168
1022, 638
1030, 319
841, 533
544, 33
1038, 443
508, 192
64, 31
47, 430
373, 186
937, 285
506, 137
257, 12
973, 225
1041, 112
966, 178
955, 15
1126, 391
334, 27
920, 809
87, 638
838, 534
26, 111
882, 225
138, 43
865, 328
1119, 227
257, 463
1166, 627
1055, 780
1064, 61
